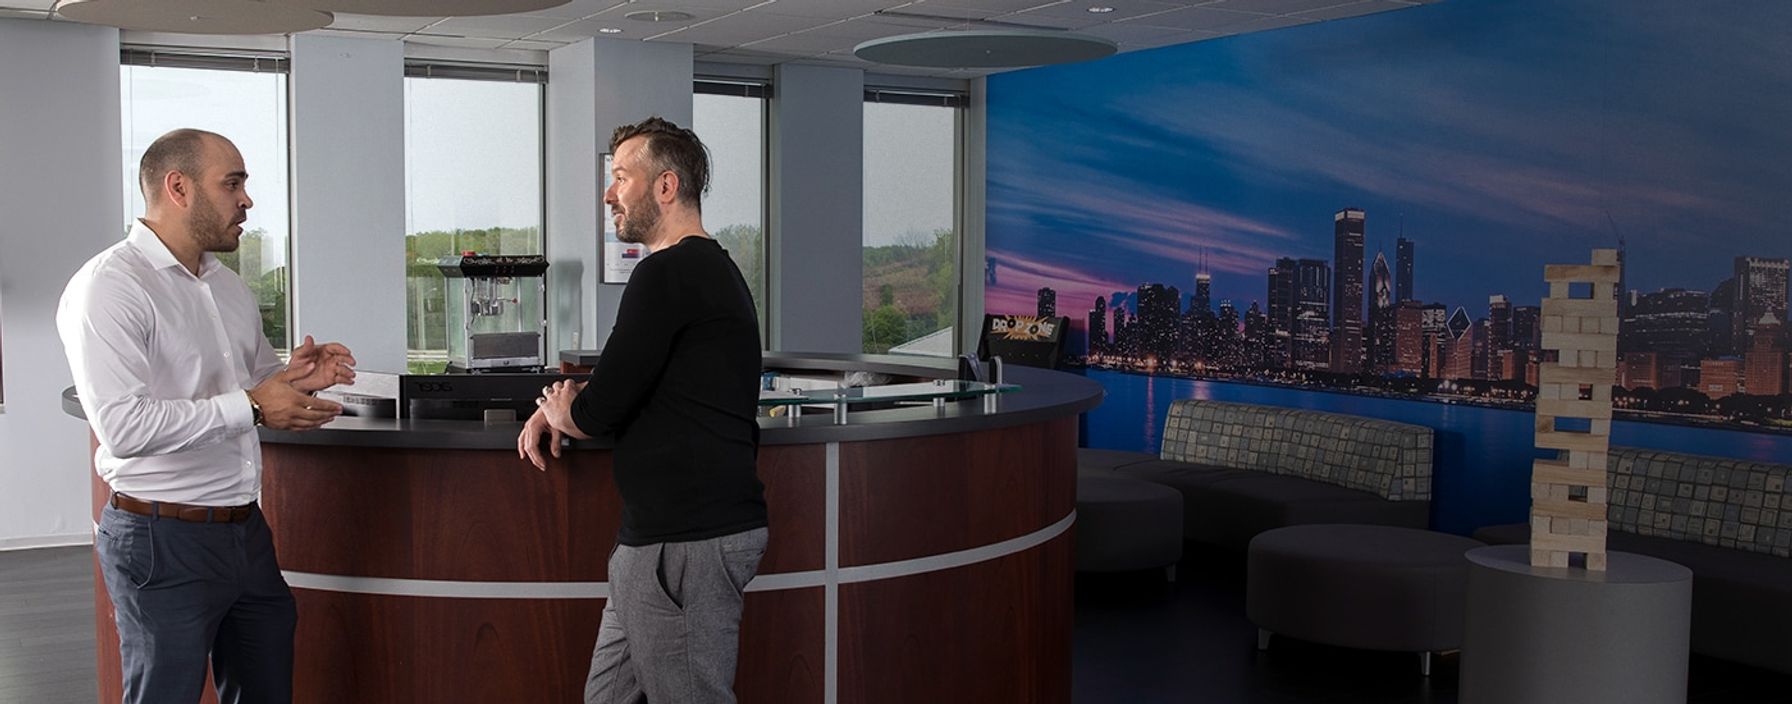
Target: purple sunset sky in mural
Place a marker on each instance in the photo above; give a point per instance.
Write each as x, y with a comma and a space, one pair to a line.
1499, 135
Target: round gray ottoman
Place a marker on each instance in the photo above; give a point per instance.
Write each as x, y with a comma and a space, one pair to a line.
1126, 524
1359, 586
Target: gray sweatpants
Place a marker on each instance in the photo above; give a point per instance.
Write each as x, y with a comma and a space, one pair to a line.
671, 628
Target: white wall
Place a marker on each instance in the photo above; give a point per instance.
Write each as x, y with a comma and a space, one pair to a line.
347, 98
59, 205
594, 87
973, 192
817, 208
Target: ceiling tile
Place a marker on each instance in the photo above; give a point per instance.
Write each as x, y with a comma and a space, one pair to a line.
743, 56
380, 23
1355, 9
496, 26
10, 13
1264, 24
742, 27
1277, 7
1136, 32
830, 9
462, 42
1198, 18
533, 45
1078, 17
40, 6
575, 10
989, 7
581, 30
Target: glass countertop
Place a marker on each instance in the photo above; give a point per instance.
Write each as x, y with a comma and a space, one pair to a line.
941, 389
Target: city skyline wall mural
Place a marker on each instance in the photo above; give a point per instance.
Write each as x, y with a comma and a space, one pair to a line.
1354, 216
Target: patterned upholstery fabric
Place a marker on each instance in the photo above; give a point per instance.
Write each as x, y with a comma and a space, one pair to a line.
1712, 500
1392, 460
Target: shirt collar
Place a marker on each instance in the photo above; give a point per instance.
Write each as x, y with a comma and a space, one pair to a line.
152, 247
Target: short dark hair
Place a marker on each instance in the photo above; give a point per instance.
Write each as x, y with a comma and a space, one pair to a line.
180, 150
675, 149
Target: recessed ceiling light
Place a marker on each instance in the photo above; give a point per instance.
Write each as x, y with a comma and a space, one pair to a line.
1101, 9
609, 30
660, 16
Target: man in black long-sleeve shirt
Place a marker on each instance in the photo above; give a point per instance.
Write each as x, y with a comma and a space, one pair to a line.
677, 388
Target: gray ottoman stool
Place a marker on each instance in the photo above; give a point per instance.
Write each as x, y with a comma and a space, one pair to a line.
1127, 524
1359, 586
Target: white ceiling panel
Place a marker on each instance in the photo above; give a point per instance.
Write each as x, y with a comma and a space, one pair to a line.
40, 6
1201, 18
993, 7
1276, 7
1356, 9
379, 23
829, 9
532, 45
743, 27
576, 10
461, 42
496, 27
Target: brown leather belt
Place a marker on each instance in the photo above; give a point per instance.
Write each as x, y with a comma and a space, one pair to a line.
184, 512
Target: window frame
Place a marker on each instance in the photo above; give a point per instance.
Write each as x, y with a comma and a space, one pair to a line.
702, 84
960, 103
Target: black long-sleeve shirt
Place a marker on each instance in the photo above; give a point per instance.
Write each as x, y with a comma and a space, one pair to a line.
677, 386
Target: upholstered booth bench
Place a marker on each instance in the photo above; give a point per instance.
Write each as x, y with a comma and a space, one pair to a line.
1729, 521
1244, 469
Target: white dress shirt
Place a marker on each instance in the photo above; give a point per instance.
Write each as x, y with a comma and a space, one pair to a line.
161, 359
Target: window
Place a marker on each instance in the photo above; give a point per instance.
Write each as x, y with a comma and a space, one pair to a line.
911, 227
733, 127
244, 99
473, 171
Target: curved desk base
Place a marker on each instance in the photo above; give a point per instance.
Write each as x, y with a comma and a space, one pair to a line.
933, 568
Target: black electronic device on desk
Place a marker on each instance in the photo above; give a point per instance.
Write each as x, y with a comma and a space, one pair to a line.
492, 398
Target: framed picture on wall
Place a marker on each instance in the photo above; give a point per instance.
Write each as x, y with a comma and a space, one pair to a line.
619, 257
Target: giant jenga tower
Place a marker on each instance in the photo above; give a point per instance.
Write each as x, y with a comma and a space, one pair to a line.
1574, 412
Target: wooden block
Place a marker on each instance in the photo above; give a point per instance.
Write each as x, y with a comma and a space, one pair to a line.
1557, 558
1598, 495
1567, 543
1579, 342
1597, 528
1557, 492
1557, 374
1572, 441
1544, 424
1602, 393
1579, 274
1539, 524
1579, 307
1560, 290
1549, 392
1554, 472
1596, 561
1540, 558
1574, 408
1608, 326
1578, 526
1608, 359
1552, 323
1605, 257
1605, 290
1602, 426
1572, 509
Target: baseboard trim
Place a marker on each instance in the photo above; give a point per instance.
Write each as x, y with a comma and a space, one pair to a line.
46, 541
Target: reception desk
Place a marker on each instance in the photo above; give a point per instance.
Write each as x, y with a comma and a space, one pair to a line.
918, 553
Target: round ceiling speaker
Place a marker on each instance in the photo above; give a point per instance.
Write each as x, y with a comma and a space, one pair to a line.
427, 8
196, 16
995, 48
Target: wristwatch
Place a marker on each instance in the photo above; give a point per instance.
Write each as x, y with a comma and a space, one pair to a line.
255, 409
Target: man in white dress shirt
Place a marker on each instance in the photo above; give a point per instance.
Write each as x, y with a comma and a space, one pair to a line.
174, 374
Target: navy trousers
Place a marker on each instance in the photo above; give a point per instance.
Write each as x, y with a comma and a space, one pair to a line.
184, 592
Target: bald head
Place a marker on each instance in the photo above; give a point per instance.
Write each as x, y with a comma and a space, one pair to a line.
182, 150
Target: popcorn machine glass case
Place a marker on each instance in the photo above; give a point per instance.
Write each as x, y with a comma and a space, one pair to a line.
494, 311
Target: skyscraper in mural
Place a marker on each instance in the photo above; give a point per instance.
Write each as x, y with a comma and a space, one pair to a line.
1381, 316
1311, 336
1403, 270
1760, 297
1279, 334
1048, 303
1347, 291
1098, 326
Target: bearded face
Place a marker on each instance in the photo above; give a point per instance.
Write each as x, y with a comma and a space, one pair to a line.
215, 225
637, 219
